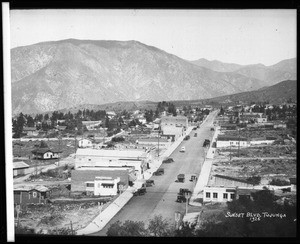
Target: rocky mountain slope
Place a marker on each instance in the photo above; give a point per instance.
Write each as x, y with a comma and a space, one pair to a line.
276, 94
284, 70
56, 75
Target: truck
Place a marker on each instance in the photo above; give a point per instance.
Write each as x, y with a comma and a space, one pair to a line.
180, 178
160, 171
181, 195
206, 143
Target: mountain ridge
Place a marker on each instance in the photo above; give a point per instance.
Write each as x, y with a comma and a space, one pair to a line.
60, 74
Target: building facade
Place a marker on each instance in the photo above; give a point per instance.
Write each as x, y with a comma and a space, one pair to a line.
231, 141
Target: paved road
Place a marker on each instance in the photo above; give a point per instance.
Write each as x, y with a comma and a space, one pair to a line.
161, 198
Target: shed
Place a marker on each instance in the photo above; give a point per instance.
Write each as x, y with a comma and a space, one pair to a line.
20, 168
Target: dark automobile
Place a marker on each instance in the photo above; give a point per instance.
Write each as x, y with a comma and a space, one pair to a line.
187, 137
159, 172
149, 183
140, 191
168, 160
180, 178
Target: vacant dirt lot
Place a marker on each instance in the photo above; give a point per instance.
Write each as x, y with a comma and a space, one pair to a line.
60, 215
259, 151
267, 169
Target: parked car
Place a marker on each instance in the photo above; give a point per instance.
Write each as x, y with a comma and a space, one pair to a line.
149, 183
182, 149
195, 135
180, 178
159, 172
168, 160
187, 137
206, 143
195, 128
140, 191
193, 177
212, 129
181, 195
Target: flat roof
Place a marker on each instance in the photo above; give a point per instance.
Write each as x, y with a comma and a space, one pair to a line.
19, 165
111, 153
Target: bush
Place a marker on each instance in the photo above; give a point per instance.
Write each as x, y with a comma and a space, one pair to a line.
279, 182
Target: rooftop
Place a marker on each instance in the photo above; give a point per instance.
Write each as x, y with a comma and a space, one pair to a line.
232, 178
20, 165
231, 138
111, 153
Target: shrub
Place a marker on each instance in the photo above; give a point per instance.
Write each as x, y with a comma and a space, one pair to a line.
279, 182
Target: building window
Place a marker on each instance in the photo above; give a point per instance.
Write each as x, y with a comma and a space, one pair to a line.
225, 195
107, 185
89, 184
215, 195
34, 194
232, 196
207, 194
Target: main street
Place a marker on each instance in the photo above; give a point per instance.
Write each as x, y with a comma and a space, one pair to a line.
160, 199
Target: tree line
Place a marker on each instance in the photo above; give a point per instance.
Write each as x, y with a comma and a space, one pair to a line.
254, 221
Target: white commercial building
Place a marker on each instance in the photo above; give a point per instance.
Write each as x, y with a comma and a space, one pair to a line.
112, 158
103, 186
218, 194
227, 141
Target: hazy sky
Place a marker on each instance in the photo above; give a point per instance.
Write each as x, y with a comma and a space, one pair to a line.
237, 36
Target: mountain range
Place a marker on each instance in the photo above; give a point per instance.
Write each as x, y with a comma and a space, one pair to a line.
63, 74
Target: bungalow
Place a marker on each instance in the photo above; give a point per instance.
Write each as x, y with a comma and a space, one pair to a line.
83, 143
262, 119
233, 141
30, 131
20, 168
46, 153
27, 194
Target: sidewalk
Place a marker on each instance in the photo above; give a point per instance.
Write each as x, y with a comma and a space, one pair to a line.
104, 217
205, 172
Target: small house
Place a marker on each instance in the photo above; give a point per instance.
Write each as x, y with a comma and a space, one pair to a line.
30, 131
20, 168
27, 194
45, 153
83, 143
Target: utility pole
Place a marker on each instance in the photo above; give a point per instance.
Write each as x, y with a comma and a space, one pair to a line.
230, 151
187, 197
158, 142
239, 143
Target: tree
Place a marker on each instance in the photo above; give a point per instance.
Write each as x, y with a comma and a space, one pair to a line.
160, 227
30, 121
46, 116
129, 228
